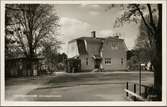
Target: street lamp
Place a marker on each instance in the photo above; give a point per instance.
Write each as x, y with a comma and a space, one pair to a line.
141, 65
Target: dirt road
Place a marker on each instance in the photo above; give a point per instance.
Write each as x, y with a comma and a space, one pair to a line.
92, 86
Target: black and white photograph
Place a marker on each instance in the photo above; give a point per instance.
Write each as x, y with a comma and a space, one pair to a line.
95, 53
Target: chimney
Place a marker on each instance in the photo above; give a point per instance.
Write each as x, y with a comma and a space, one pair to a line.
93, 34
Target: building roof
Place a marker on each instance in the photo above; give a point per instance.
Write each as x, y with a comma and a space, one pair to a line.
88, 38
24, 58
82, 45
97, 39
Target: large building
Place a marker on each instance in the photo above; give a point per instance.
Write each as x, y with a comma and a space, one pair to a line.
106, 53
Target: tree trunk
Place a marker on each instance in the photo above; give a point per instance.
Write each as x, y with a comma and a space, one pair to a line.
157, 59
31, 49
157, 64
31, 61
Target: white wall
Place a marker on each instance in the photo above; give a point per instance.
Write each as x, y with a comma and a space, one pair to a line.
72, 49
84, 66
108, 52
115, 55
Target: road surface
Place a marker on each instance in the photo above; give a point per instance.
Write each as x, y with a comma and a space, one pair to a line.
90, 86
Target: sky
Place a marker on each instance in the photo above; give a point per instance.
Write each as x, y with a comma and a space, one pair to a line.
78, 20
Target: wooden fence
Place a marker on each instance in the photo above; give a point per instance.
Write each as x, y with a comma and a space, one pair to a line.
136, 95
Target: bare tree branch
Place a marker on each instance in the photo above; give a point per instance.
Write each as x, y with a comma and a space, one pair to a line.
151, 17
143, 19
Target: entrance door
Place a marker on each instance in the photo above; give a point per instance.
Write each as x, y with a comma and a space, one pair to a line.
97, 63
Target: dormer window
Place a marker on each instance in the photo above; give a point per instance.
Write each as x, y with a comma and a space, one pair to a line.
114, 45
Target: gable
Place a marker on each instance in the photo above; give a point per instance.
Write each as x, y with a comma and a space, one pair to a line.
115, 44
81, 46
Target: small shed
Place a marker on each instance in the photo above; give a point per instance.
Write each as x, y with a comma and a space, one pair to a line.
20, 66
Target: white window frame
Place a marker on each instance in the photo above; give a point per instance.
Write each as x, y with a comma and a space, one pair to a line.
107, 61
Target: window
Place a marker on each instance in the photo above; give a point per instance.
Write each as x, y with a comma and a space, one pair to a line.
114, 45
107, 60
122, 61
86, 61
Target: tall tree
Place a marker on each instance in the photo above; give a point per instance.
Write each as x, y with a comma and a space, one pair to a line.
136, 12
143, 39
30, 24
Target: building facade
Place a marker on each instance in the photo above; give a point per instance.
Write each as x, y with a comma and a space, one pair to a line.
106, 53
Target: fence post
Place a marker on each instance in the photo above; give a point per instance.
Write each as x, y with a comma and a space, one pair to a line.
140, 79
134, 91
127, 89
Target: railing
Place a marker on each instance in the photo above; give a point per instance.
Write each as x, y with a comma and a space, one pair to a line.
133, 95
